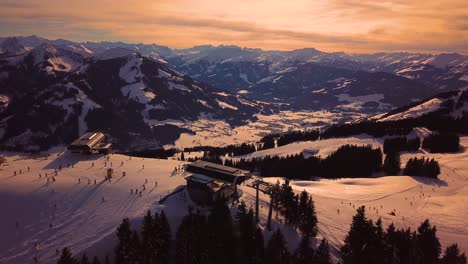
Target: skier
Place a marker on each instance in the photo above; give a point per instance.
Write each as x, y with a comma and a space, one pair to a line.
14, 173
123, 174
79, 180
102, 199
131, 191
121, 164
146, 180
29, 168
40, 176
92, 164
94, 181
20, 171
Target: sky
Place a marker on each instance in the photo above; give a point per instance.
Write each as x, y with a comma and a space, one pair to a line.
328, 25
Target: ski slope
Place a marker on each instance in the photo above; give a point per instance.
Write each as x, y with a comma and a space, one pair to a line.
413, 199
84, 216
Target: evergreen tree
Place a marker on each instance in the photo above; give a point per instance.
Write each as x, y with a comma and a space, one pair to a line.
148, 245
307, 217
304, 253
428, 243
163, 238
259, 246
276, 251
191, 240
452, 255
66, 257
359, 247
246, 224
221, 237
322, 254
392, 164
135, 248
123, 250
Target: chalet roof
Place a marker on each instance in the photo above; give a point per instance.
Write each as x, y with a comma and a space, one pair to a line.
219, 168
89, 139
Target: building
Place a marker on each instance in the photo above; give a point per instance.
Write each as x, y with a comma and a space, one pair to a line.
89, 143
210, 181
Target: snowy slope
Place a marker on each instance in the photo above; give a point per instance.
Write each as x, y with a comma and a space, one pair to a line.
79, 217
83, 222
414, 199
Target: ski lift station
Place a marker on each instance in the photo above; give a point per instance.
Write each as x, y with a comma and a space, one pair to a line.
90, 142
210, 181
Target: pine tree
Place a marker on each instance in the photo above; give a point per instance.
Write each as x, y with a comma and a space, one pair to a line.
304, 253
136, 252
246, 224
259, 247
452, 255
392, 164
148, 245
164, 239
322, 254
307, 217
191, 240
276, 251
428, 243
359, 247
123, 250
66, 257
221, 237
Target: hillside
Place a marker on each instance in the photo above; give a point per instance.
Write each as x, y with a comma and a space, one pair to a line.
50, 94
83, 221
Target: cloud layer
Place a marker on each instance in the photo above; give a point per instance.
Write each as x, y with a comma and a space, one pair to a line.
334, 25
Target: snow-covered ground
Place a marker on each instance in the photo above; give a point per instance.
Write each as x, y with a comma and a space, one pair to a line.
413, 199
83, 221
209, 132
324, 147
80, 218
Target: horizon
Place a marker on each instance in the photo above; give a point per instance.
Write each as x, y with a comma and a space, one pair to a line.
241, 47
349, 26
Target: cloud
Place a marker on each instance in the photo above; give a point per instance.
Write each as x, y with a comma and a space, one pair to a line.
344, 25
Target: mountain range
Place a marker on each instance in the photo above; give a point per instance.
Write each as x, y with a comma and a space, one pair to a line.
53, 90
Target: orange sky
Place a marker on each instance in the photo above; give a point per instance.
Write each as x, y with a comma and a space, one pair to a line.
333, 25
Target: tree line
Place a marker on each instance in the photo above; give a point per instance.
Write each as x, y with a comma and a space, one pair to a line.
423, 167
217, 237
441, 142
349, 161
369, 242
399, 144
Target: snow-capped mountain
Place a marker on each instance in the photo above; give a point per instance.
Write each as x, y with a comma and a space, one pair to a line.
52, 93
453, 104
